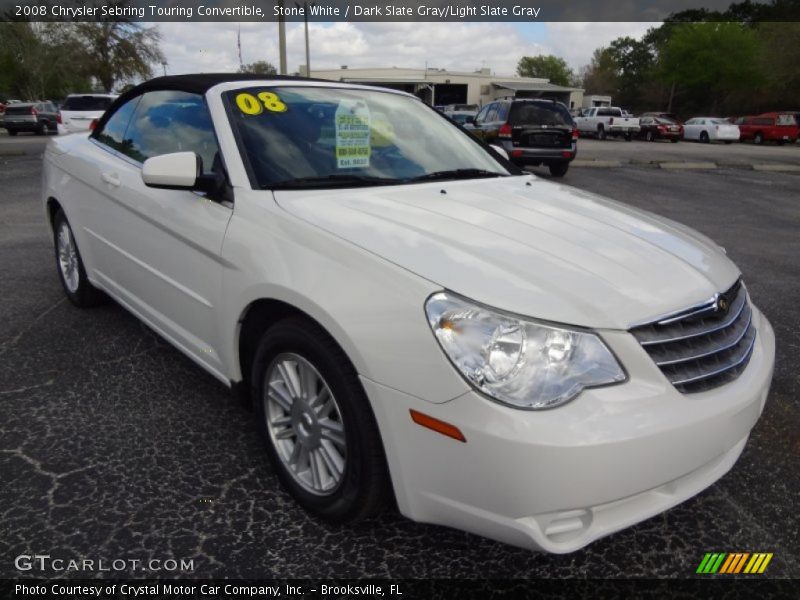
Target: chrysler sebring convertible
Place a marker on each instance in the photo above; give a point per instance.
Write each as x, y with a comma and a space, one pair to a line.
413, 318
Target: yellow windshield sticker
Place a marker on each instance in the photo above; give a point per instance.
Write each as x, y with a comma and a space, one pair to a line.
255, 105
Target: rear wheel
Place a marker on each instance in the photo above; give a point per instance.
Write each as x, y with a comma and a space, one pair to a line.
12, 132
558, 169
674, 141
601, 133
650, 137
628, 137
70, 266
44, 128
758, 138
321, 436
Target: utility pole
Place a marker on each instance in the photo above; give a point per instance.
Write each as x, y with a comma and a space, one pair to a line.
239, 47
282, 38
306, 6
308, 53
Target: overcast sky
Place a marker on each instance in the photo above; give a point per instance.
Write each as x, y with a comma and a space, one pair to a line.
195, 47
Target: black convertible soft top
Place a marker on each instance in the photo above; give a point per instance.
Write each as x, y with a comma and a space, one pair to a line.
200, 83
197, 83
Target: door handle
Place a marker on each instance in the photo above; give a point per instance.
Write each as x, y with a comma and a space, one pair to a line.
111, 179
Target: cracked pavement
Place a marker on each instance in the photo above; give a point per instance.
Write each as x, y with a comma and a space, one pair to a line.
114, 445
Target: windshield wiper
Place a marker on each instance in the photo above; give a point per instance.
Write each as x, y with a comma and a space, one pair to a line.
334, 180
457, 174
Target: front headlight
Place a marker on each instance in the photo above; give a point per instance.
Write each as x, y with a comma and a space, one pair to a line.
524, 364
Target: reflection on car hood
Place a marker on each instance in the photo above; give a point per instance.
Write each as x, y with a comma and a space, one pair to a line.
543, 250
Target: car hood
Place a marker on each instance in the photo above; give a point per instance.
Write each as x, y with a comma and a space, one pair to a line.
527, 246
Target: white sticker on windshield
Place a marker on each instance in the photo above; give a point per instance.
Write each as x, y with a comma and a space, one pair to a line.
352, 134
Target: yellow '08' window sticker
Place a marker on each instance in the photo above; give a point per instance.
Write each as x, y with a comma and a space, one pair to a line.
251, 104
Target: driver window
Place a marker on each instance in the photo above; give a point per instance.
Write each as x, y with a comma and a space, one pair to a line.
171, 121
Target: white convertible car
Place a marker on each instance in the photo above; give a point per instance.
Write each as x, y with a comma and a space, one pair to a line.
411, 315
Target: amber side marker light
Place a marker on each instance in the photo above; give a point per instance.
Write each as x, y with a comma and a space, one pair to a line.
437, 425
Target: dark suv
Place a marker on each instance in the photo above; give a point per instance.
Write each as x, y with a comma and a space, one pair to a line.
37, 117
532, 132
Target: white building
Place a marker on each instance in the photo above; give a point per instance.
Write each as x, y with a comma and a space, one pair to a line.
592, 100
441, 87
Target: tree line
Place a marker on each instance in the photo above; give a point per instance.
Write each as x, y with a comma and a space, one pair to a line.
742, 60
41, 60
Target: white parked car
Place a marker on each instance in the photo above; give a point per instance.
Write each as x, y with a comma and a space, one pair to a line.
79, 110
710, 129
409, 312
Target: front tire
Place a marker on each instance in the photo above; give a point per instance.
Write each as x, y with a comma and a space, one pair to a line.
601, 133
70, 267
12, 132
758, 139
704, 139
650, 137
558, 169
320, 434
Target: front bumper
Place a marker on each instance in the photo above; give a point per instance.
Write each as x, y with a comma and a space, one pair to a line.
558, 479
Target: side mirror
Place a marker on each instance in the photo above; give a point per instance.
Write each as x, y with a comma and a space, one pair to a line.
183, 171
176, 171
500, 150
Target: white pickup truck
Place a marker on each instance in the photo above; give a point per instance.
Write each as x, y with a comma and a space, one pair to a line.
604, 121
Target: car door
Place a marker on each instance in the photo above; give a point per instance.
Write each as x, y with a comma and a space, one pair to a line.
645, 125
481, 121
690, 129
165, 244
493, 122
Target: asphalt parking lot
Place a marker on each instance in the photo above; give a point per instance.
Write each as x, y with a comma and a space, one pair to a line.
114, 445
688, 154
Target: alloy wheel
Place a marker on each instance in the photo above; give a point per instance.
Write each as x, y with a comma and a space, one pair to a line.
305, 424
68, 258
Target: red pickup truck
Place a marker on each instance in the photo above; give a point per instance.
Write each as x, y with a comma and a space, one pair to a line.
778, 127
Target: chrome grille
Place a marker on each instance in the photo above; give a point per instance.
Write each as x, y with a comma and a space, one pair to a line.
703, 346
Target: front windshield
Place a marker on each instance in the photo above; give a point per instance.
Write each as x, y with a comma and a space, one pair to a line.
322, 136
